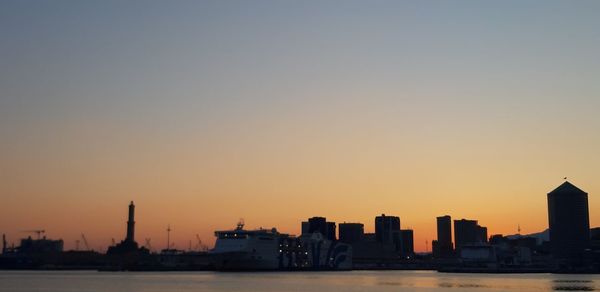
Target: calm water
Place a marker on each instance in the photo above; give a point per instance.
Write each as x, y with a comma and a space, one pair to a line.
298, 281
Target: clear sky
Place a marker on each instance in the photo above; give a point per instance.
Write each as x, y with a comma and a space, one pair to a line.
204, 112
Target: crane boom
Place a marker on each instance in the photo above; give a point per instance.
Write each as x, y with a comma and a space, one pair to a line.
39, 232
148, 244
85, 242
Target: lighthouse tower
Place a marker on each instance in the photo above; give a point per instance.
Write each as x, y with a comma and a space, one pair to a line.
131, 224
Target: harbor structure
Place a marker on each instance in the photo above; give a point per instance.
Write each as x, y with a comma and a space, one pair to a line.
128, 245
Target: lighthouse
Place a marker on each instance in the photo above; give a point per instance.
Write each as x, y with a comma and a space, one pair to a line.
131, 224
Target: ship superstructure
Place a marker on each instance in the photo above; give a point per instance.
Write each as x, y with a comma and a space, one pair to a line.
267, 249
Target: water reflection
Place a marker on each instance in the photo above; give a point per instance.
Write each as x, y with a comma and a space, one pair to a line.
463, 285
573, 285
574, 288
356, 281
390, 283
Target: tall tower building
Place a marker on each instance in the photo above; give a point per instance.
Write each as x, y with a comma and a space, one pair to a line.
569, 221
131, 224
444, 236
387, 230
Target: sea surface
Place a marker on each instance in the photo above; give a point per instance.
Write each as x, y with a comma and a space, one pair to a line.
291, 281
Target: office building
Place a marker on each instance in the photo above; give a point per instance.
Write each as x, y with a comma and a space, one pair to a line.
408, 245
387, 230
351, 232
468, 232
442, 247
568, 217
330, 231
320, 225
317, 224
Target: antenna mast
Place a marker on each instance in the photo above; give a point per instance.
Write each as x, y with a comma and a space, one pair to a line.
168, 236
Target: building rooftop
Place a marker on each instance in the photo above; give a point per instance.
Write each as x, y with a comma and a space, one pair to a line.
567, 188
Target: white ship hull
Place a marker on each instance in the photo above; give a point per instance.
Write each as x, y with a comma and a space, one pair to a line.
261, 250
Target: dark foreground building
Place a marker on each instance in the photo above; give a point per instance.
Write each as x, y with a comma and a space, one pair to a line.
387, 229
569, 222
408, 243
351, 232
443, 246
468, 232
320, 225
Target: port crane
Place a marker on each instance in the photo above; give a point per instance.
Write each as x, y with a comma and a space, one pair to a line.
148, 245
39, 232
85, 242
199, 245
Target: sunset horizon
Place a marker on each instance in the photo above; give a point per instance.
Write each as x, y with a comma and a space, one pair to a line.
301, 116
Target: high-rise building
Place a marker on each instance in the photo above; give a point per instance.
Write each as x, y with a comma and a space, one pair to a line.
305, 227
330, 231
351, 232
408, 245
387, 230
319, 224
569, 221
443, 244
483, 234
468, 232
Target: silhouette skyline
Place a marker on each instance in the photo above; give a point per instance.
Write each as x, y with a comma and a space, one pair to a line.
570, 247
206, 112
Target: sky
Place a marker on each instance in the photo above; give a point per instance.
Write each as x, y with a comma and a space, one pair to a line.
205, 112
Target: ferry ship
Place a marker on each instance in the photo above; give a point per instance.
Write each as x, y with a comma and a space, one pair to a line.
267, 249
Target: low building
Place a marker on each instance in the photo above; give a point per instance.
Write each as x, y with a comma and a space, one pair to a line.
408, 246
351, 232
